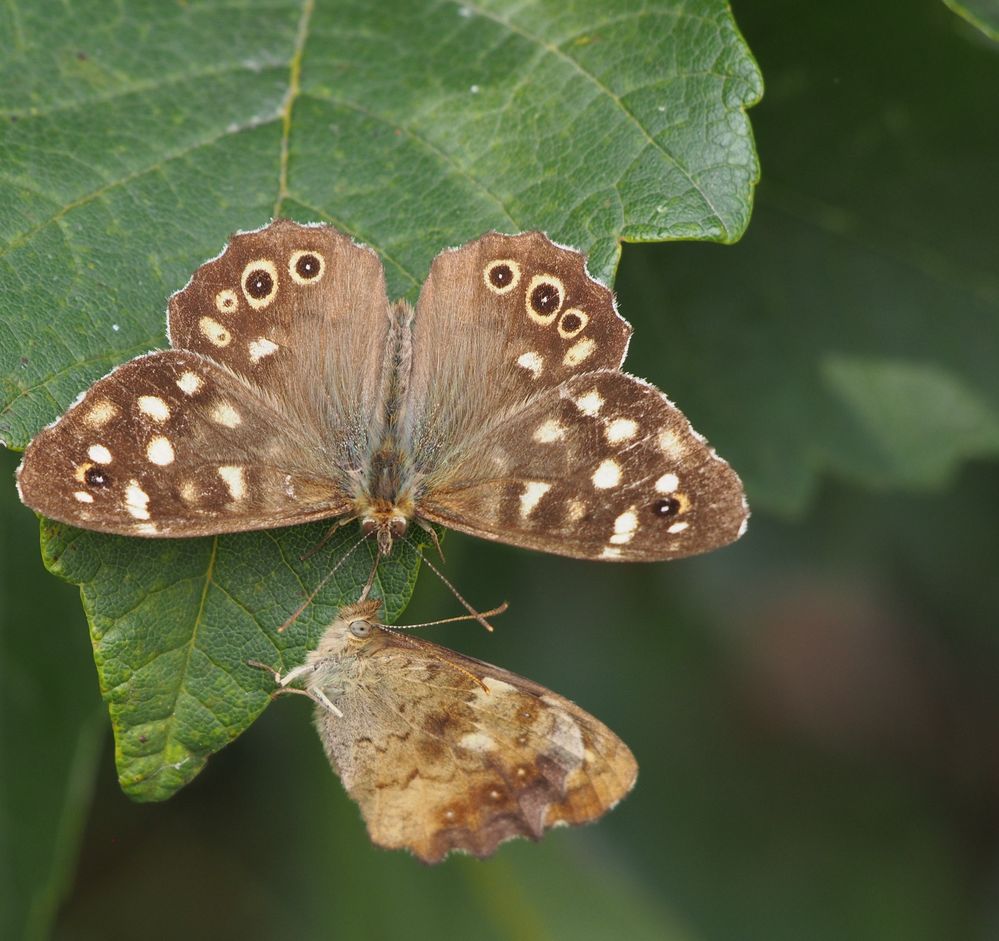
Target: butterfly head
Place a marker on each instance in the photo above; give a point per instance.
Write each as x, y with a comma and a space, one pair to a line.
387, 523
354, 625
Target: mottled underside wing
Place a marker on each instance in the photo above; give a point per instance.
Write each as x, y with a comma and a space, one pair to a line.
445, 753
260, 416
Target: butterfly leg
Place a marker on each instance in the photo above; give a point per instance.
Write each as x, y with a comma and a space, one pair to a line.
432, 533
326, 537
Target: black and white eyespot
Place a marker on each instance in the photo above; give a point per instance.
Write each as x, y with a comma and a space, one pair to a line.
360, 628
572, 322
544, 299
260, 283
666, 508
227, 301
501, 276
97, 477
306, 266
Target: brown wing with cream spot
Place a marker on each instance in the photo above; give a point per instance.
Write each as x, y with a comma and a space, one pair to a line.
171, 444
259, 417
445, 753
606, 467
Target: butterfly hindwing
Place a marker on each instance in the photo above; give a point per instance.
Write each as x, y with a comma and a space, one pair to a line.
172, 444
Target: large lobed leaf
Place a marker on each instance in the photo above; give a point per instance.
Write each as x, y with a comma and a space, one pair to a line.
136, 138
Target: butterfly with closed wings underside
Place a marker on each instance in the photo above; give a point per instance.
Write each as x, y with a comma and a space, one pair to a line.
294, 390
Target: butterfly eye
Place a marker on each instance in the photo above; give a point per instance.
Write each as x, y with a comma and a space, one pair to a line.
368, 527
545, 295
360, 628
502, 276
571, 323
260, 283
397, 527
306, 267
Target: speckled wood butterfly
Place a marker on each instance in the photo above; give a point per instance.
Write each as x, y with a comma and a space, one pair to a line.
443, 752
295, 390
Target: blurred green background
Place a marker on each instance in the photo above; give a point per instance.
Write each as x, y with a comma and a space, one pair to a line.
815, 710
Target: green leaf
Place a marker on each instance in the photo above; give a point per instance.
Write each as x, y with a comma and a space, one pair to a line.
982, 14
853, 331
134, 143
51, 729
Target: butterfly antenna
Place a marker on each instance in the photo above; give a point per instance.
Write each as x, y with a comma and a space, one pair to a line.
369, 584
454, 591
461, 617
320, 586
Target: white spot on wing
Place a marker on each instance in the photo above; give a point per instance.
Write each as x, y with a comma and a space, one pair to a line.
189, 383
549, 431
610, 552
154, 407
677, 528
590, 403
667, 483
99, 454
534, 490
579, 352
101, 414
670, 444
214, 332
607, 475
477, 741
225, 414
136, 500
532, 362
261, 347
625, 526
234, 479
83, 496
160, 451
621, 429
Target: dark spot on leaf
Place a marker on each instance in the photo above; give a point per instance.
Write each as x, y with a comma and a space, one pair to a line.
97, 477
666, 508
82, 56
308, 267
259, 283
545, 298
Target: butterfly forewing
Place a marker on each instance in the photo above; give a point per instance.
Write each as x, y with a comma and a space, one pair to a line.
261, 416
444, 753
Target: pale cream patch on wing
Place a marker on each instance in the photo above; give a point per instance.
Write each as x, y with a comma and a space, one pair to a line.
590, 403
610, 552
677, 528
477, 741
235, 480
667, 483
532, 361
147, 529
261, 347
620, 429
214, 332
136, 500
670, 444
534, 490
579, 352
189, 383
99, 454
160, 451
575, 510
566, 733
101, 413
189, 492
153, 407
225, 414
549, 431
494, 687
625, 527
83, 496
607, 475
227, 301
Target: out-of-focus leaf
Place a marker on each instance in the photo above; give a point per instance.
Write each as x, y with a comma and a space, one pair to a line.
982, 14
51, 730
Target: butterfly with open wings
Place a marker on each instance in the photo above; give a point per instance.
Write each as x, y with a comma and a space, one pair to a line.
294, 390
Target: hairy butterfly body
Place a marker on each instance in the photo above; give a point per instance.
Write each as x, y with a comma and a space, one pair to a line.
446, 753
294, 390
